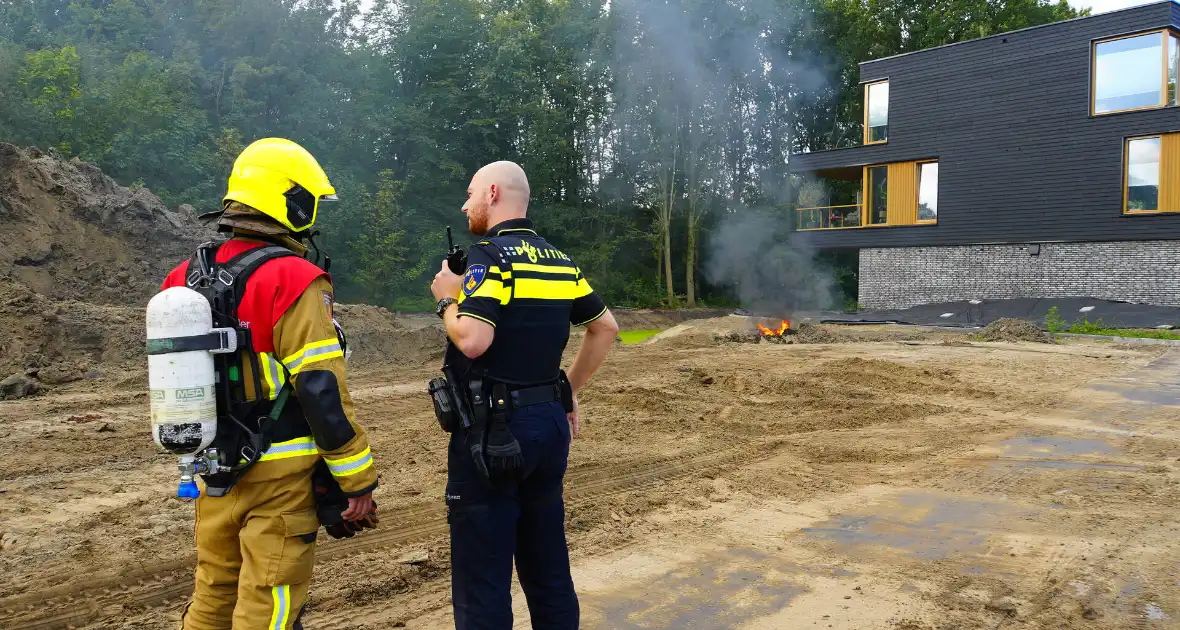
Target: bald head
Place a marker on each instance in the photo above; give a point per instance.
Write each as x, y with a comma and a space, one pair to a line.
498, 192
509, 178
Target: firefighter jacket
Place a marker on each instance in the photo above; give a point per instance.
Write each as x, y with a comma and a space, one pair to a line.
287, 307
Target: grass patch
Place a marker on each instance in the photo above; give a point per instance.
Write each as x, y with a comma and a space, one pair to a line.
635, 336
1056, 324
1120, 332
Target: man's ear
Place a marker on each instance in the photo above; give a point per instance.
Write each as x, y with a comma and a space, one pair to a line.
494, 194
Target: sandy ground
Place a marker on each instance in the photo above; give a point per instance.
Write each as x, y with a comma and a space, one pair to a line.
914, 480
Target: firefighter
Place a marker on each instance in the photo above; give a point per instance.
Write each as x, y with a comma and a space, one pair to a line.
256, 542
508, 321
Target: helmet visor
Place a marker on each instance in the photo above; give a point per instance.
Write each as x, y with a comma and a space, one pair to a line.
302, 206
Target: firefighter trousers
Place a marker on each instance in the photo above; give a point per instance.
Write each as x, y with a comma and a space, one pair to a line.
491, 527
255, 552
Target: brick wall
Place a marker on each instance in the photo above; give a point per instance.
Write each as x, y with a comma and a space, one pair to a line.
1133, 271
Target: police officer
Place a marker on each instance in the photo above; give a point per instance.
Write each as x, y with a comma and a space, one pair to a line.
256, 544
508, 321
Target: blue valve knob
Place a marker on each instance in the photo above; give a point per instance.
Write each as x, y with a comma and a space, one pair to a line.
188, 490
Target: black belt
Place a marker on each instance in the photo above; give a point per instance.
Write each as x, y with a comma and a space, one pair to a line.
528, 396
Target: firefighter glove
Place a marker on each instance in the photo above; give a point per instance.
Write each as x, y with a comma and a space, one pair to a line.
331, 503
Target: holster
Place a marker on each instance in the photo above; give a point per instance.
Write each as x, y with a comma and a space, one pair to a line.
566, 392
453, 404
495, 451
446, 408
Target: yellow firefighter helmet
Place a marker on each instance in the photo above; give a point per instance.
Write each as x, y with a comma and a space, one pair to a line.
282, 180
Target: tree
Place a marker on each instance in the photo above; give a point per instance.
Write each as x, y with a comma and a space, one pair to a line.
647, 127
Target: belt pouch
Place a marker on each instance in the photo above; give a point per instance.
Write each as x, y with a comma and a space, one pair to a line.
445, 407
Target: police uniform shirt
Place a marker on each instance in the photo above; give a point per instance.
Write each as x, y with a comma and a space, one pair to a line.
530, 292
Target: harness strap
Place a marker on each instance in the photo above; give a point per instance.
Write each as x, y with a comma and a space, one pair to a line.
216, 341
224, 285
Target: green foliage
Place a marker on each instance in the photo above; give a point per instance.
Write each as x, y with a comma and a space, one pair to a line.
645, 126
1054, 323
51, 82
387, 267
1085, 327
1135, 334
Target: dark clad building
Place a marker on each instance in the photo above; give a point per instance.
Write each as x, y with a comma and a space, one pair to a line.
1043, 162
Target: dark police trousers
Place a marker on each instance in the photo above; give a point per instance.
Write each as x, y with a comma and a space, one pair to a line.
526, 520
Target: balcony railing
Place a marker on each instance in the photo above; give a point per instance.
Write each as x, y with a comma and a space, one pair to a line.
829, 217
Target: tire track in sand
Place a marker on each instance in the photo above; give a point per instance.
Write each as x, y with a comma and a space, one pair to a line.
171, 582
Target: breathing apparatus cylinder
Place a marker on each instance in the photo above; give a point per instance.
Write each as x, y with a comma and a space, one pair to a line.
183, 398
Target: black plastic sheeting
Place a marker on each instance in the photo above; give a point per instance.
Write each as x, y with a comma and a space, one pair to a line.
977, 313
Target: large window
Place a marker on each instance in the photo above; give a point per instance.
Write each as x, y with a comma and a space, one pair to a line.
876, 112
1143, 174
1136, 72
878, 196
927, 191
894, 194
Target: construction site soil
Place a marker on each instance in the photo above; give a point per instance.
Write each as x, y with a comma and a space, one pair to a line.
840, 477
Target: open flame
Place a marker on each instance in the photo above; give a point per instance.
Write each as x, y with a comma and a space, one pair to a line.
775, 332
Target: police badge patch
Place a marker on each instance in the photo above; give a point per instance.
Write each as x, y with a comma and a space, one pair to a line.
473, 278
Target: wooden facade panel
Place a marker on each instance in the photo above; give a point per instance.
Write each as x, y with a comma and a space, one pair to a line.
1008, 119
1170, 173
903, 194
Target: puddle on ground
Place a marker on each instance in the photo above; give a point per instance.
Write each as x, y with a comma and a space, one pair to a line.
1054, 463
924, 526
723, 591
1155, 613
1143, 393
1054, 447
1132, 588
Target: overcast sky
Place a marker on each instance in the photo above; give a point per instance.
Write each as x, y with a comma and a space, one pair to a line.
1098, 5
1107, 5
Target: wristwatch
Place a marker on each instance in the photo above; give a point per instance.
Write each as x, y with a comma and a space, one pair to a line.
443, 304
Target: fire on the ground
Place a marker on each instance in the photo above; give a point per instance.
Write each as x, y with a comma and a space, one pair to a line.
783, 329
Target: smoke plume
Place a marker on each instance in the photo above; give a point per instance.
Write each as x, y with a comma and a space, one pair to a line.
712, 90
750, 254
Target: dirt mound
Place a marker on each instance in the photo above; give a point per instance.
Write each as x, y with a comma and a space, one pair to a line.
58, 342
648, 319
63, 341
71, 233
378, 338
1014, 330
80, 256
815, 333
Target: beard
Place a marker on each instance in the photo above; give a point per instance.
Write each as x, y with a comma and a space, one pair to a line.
477, 220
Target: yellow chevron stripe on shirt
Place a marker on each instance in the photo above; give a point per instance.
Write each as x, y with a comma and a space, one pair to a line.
573, 271
535, 289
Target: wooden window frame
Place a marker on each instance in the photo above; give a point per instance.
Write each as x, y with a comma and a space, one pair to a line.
867, 187
1126, 178
866, 138
1163, 33
918, 174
